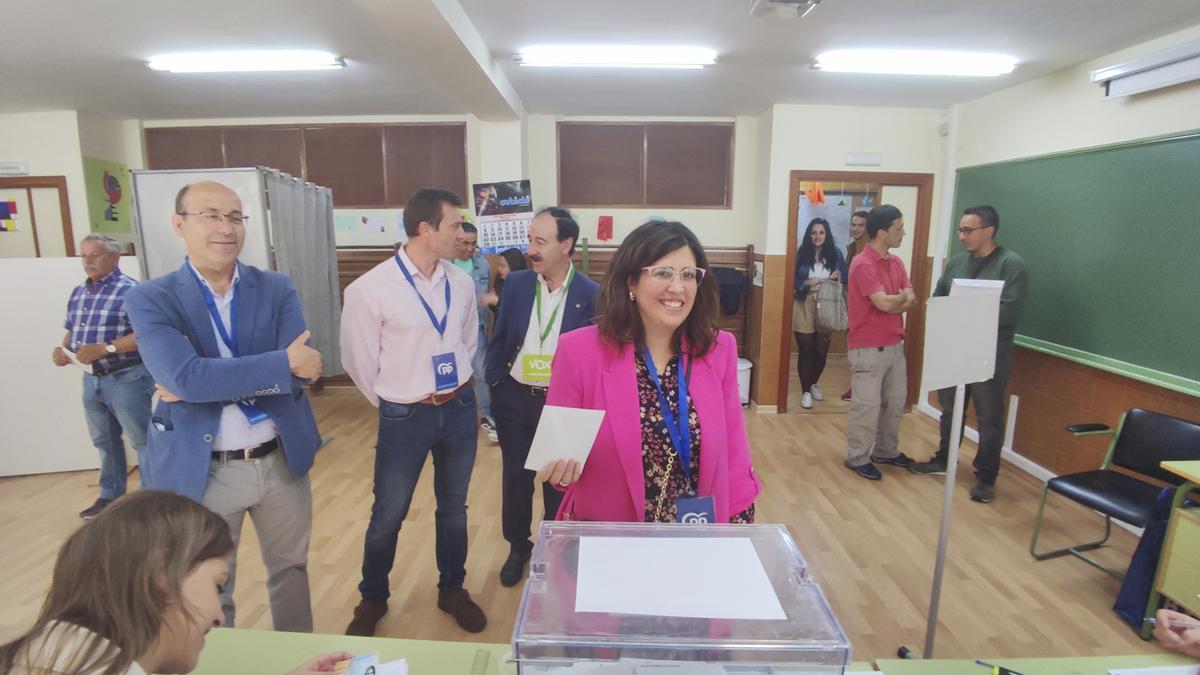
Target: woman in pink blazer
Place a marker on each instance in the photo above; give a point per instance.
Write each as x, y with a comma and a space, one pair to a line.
656, 330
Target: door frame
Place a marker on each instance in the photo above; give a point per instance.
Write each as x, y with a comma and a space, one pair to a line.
29, 183
920, 274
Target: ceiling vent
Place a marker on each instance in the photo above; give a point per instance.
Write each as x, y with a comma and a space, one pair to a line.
791, 9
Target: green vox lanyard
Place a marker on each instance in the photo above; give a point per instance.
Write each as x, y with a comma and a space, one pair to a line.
544, 331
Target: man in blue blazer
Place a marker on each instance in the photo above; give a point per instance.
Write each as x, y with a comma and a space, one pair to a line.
536, 307
225, 343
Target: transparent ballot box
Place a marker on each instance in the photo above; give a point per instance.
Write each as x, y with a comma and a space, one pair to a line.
671, 599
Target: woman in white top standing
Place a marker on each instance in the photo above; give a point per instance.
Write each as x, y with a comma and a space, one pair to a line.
134, 591
818, 259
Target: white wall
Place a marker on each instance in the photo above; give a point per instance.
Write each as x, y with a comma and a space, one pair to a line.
804, 137
1064, 111
734, 226
49, 141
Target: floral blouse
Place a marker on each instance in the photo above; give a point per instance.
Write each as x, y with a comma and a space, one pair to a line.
657, 447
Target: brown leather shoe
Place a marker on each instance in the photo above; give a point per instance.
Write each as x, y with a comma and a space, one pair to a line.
366, 615
458, 604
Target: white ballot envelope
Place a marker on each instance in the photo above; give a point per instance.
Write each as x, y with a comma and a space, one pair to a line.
85, 367
563, 433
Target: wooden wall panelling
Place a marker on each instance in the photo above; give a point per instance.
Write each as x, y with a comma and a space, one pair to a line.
689, 165
277, 147
425, 155
600, 164
349, 160
184, 148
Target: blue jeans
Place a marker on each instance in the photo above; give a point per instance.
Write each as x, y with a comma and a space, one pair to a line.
114, 404
407, 434
483, 393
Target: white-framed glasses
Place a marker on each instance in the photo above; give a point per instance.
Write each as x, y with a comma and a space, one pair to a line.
666, 274
212, 216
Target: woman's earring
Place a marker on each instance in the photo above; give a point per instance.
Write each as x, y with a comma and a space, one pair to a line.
631, 295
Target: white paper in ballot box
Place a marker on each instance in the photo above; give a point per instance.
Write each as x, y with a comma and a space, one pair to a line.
563, 433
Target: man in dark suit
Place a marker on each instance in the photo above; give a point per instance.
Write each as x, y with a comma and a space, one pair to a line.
225, 343
537, 306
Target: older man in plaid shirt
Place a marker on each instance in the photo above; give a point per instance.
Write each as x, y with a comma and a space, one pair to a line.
116, 395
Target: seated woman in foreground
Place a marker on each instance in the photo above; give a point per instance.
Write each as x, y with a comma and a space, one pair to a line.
673, 442
134, 591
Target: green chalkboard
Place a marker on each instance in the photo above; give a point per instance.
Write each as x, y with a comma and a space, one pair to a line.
1111, 239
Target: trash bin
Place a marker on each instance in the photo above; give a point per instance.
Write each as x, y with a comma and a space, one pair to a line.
744, 367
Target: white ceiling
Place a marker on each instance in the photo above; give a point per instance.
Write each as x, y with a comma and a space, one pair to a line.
424, 56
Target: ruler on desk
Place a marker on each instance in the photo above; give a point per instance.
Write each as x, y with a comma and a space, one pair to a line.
480, 664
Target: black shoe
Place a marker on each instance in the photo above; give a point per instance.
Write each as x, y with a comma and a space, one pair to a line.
901, 460
457, 603
95, 509
931, 468
514, 568
983, 492
867, 471
366, 615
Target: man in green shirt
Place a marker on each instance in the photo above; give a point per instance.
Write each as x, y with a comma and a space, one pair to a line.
983, 258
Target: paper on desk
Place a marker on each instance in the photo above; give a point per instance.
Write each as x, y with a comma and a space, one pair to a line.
976, 287
1157, 670
85, 367
712, 578
563, 433
399, 667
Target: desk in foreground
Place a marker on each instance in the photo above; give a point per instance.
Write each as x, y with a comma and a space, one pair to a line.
1084, 665
259, 652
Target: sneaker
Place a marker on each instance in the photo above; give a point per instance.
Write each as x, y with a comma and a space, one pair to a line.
930, 468
816, 393
846, 396
514, 568
366, 615
806, 400
982, 492
95, 509
457, 603
901, 460
487, 424
493, 437
867, 471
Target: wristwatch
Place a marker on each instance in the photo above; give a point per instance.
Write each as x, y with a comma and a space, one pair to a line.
110, 348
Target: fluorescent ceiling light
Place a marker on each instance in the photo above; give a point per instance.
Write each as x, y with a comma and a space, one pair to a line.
246, 61
615, 56
906, 62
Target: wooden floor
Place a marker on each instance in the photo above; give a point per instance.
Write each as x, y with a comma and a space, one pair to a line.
870, 546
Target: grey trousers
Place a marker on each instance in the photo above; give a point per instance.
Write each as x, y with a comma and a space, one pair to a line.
880, 385
281, 507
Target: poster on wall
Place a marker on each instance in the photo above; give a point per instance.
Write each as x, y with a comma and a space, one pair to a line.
108, 196
502, 214
836, 210
8, 215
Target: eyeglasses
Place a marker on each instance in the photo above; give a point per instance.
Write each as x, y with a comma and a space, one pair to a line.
964, 231
212, 217
666, 274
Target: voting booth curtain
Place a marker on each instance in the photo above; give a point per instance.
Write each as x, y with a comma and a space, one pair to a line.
302, 236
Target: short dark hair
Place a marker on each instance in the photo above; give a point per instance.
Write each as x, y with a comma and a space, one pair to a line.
469, 228
987, 213
425, 205
881, 218
859, 214
618, 317
567, 227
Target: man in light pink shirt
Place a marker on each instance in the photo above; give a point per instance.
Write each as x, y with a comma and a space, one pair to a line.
409, 330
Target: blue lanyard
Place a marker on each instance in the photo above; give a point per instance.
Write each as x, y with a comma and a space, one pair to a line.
677, 428
230, 337
439, 326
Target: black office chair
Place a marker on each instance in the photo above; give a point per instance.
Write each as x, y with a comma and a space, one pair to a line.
1142, 440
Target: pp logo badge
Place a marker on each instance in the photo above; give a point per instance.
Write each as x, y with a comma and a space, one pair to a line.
694, 518
696, 510
445, 369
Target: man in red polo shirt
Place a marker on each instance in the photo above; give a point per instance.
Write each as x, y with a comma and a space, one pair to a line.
878, 294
